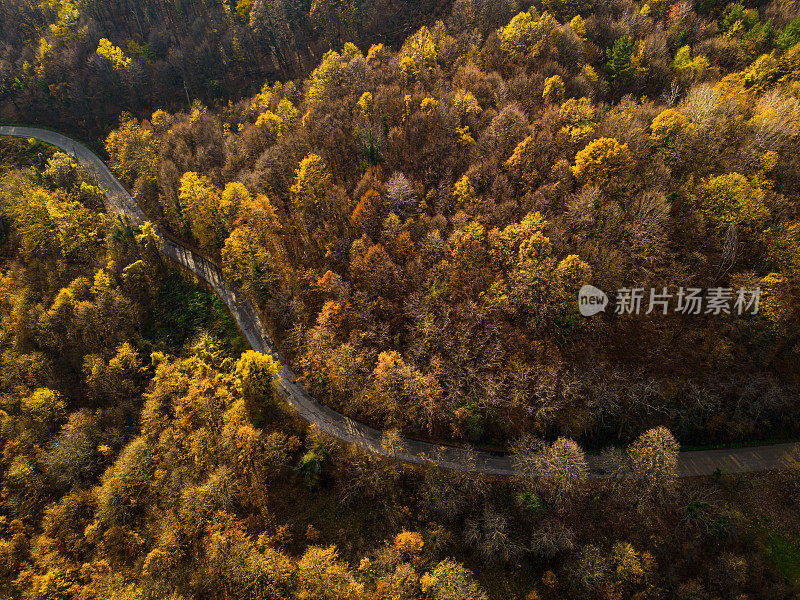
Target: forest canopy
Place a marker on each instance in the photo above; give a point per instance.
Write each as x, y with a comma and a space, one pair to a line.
412, 194
417, 223
77, 64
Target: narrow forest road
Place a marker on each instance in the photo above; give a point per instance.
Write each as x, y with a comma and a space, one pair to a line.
119, 201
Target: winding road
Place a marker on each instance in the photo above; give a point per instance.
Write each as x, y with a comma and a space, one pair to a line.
119, 201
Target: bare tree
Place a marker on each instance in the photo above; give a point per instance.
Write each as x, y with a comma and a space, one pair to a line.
551, 538
728, 257
400, 194
653, 460
554, 470
649, 225
490, 536
562, 467
670, 96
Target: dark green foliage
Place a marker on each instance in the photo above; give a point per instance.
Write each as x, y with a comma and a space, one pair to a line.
789, 36
619, 58
182, 310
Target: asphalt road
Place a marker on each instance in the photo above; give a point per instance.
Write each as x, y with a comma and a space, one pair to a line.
119, 201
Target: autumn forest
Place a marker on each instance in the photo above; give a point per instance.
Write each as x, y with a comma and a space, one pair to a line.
411, 195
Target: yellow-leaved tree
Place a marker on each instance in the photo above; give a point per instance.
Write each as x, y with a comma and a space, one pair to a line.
255, 381
527, 34
553, 92
132, 150
311, 183
579, 118
521, 163
321, 574
450, 580
670, 123
603, 162
113, 54
778, 300
244, 259
200, 208
402, 395
531, 281
325, 77
733, 199
420, 53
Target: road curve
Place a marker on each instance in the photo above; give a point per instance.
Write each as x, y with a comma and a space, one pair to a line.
119, 201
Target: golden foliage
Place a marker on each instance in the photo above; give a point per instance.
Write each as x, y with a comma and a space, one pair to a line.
604, 162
